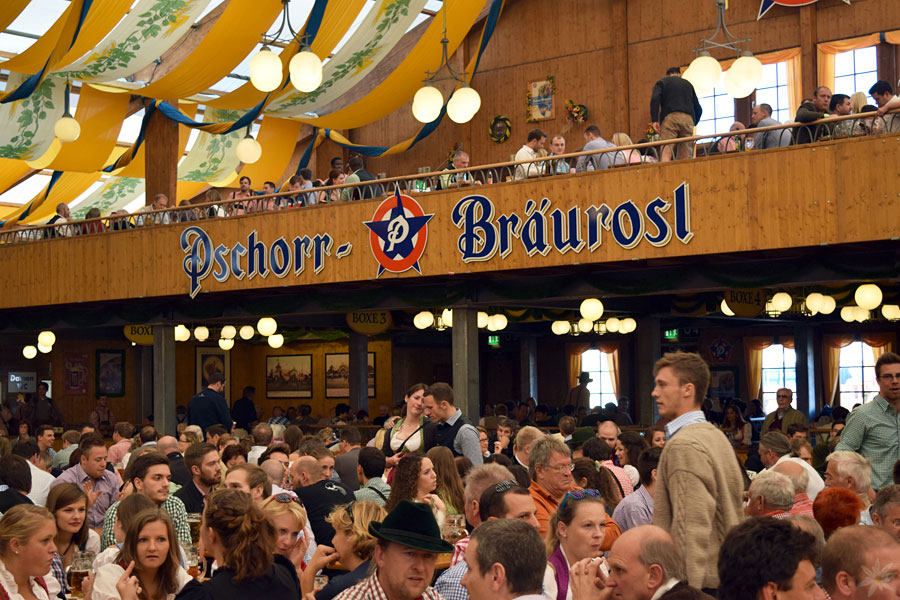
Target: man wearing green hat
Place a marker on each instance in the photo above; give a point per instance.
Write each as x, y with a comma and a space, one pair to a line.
409, 541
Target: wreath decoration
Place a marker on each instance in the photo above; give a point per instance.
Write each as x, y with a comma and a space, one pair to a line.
500, 129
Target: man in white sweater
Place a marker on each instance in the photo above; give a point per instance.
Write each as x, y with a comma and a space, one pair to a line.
699, 482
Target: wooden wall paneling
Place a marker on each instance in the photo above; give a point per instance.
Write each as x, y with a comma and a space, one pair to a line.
837, 20
620, 64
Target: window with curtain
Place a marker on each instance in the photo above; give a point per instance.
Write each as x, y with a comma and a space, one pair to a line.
718, 113
773, 90
857, 382
779, 370
855, 71
596, 364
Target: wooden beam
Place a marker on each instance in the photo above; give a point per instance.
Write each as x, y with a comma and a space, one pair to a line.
886, 59
809, 63
619, 62
161, 158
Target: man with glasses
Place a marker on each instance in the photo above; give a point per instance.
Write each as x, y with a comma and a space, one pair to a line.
785, 415
550, 468
873, 429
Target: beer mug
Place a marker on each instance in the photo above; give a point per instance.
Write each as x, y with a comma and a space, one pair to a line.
77, 571
192, 561
194, 520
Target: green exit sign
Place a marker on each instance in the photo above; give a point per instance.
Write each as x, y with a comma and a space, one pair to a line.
670, 334
493, 340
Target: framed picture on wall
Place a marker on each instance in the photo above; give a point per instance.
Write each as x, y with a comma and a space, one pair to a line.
540, 100
110, 373
337, 375
209, 361
289, 376
723, 383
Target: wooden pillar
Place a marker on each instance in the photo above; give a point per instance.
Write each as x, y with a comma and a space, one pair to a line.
466, 379
145, 385
164, 379
886, 59
809, 63
359, 371
804, 349
619, 64
647, 350
161, 158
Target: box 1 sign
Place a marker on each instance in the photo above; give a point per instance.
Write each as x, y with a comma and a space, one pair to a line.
369, 322
141, 335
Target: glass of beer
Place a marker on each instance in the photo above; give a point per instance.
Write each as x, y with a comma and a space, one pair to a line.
193, 520
77, 571
192, 559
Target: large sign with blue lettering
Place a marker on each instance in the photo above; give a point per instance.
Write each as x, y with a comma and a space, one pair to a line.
475, 229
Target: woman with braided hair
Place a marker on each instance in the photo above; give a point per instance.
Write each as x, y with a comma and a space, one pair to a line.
241, 537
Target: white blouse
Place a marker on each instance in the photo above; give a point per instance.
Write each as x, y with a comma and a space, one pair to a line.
109, 574
9, 584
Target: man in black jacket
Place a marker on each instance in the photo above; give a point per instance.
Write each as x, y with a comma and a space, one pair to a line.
179, 469
674, 111
203, 462
15, 474
209, 406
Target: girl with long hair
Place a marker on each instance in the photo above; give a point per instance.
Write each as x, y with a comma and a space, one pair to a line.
739, 432
590, 474
69, 504
449, 483
290, 521
407, 434
629, 446
415, 480
241, 538
149, 560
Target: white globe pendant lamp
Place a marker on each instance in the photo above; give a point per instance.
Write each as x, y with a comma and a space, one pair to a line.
66, 129
306, 71
248, 150
427, 104
265, 70
463, 104
705, 71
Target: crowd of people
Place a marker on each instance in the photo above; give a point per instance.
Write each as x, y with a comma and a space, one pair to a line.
434, 506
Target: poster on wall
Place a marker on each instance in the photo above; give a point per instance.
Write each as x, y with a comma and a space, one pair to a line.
723, 383
110, 372
212, 360
540, 100
337, 375
76, 374
289, 376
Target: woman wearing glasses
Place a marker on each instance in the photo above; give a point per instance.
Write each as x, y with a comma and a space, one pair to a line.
354, 546
580, 529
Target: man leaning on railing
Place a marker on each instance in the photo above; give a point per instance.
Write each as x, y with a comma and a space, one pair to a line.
810, 111
884, 96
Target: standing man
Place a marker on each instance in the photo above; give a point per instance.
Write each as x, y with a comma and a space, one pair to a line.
873, 429
209, 406
358, 173
579, 396
99, 484
785, 415
102, 417
203, 462
450, 428
63, 215
346, 462
43, 409
409, 541
699, 486
505, 561
674, 111
529, 150
243, 413
810, 111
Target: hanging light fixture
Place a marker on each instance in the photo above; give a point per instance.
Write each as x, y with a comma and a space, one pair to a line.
591, 308
305, 67
266, 326
782, 302
868, 296
44, 349
66, 128
828, 305
560, 327
248, 150
228, 332
428, 101
226, 343
29, 352
246, 332
705, 71
726, 310
201, 333
276, 340
182, 333
46, 338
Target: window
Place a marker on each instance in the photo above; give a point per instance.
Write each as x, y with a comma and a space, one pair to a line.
596, 365
718, 113
773, 90
855, 71
779, 370
857, 374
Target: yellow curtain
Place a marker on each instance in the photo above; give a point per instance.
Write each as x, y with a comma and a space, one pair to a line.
892, 37
831, 359
100, 20
33, 58
9, 10
574, 352
67, 188
753, 347
792, 57
11, 171
880, 343
827, 50
278, 137
100, 115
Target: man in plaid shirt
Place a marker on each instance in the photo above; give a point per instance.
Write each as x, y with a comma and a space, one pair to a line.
409, 541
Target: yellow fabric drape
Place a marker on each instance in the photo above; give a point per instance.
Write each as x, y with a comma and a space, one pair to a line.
880, 343
278, 137
100, 115
100, 20
136, 167
33, 58
227, 43
753, 347
892, 37
831, 363
9, 10
339, 16
827, 50
11, 171
400, 86
792, 57
574, 352
69, 187
787, 341
186, 190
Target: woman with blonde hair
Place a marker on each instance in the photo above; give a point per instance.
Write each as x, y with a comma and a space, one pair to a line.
291, 527
69, 505
149, 560
26, 553
241, 538
625, 156
353, 545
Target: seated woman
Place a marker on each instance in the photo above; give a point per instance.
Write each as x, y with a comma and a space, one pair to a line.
291, 527
415, 480
577, 531
69, 504
150, 555
26, 553
241, 538
590, 474
449, 483
738, 431
335, 177
354, 546
129, 508
624, 157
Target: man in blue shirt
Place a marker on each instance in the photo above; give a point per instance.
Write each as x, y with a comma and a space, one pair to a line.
209, 406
